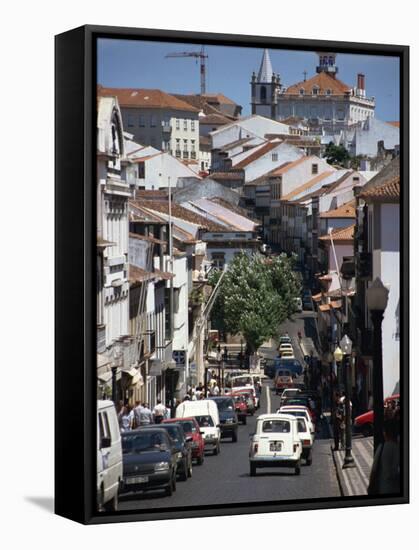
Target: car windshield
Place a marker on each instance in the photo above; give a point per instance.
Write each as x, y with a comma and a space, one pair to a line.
205, 421
295, 413
188, 427
277, 426
142, 442
225, 404
173, 431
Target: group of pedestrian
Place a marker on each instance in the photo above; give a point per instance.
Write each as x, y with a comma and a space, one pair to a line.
131, 417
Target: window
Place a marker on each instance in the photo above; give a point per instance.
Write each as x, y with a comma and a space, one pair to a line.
314, 168
315, 90
141, 121
141, 170
192, 145
193, 125
301, 91
185, 144
153, 121
277, 426
328, 92
130, 121
185, 124
177, 124
263, 94
218, 259
274, 157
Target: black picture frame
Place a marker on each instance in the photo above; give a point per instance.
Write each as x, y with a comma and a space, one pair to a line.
75, 243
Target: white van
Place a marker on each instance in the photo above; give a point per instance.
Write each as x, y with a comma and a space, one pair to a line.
206, 413
109, 456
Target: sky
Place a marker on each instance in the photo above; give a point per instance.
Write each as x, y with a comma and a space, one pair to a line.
142, 64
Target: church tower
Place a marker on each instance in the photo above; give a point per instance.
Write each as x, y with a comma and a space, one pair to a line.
327, 64
264, 89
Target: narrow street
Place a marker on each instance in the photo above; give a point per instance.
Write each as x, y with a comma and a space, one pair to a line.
225, 479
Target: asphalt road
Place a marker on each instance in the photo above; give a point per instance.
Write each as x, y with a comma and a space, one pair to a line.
225, 478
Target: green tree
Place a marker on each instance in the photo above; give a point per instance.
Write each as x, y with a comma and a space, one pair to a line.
337, 154
256, 295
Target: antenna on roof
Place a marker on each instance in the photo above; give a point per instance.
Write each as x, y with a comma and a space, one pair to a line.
305, 75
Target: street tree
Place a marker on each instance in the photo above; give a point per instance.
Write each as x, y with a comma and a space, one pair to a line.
337, 154
256, 295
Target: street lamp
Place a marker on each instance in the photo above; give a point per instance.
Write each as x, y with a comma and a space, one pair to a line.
346, 345
377, 298
338, 355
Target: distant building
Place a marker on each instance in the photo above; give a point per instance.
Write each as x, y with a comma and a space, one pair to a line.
159, 119
324, 101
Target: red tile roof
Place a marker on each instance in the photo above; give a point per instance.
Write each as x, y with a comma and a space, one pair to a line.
146, 98
346, 210
386, 192
323, 81
340, 235
395, 123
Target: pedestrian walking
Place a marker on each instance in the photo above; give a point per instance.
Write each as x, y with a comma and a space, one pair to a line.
145, 415
137, 414
159, 412
127, 419
337, 424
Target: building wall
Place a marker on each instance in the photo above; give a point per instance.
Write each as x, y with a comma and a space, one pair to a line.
386, 265
164, 129
284, 153
367, 137
162, 170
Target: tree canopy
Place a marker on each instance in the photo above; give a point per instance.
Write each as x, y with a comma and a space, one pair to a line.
256, 295
336, 154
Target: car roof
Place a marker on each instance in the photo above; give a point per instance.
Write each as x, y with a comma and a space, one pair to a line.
275, 416
179, 420
144, 429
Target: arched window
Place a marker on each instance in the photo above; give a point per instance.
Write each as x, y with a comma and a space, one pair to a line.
315, 90
301, 91
328, 91
263, 94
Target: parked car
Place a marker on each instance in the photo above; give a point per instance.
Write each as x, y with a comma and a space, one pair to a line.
307, 439
364, 423
296, 410
285, 339
276, 443
206, 413
283, 379
109, 456
183, 447
149, 459
229, 422
240, 405
191, 429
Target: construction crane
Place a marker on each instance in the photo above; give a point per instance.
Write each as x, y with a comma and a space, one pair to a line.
202, 56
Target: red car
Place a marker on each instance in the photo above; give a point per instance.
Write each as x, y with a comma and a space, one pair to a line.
191, 429
364, 423
241, 407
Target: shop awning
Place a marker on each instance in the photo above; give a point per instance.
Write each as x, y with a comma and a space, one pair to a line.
134, 374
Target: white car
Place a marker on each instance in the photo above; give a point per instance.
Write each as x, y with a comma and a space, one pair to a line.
285, 347
297, 410
206, 413
289, 392
307, 439
276, 443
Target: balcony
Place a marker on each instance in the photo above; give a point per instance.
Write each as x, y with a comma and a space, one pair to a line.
166, 128
185, 155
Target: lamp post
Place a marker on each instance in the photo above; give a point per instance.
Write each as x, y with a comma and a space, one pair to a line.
346, 345
338, 355
377, 298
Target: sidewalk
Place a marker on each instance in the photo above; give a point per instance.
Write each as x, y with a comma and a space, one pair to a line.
354, 481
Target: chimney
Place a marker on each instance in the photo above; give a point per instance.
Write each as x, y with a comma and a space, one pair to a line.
361, 84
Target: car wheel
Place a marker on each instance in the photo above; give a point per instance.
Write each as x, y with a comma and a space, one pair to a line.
111, 505
234, 437
169, 489
184, 474
298, 469
252, 470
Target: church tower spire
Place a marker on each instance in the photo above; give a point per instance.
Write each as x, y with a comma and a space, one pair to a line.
264, 89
